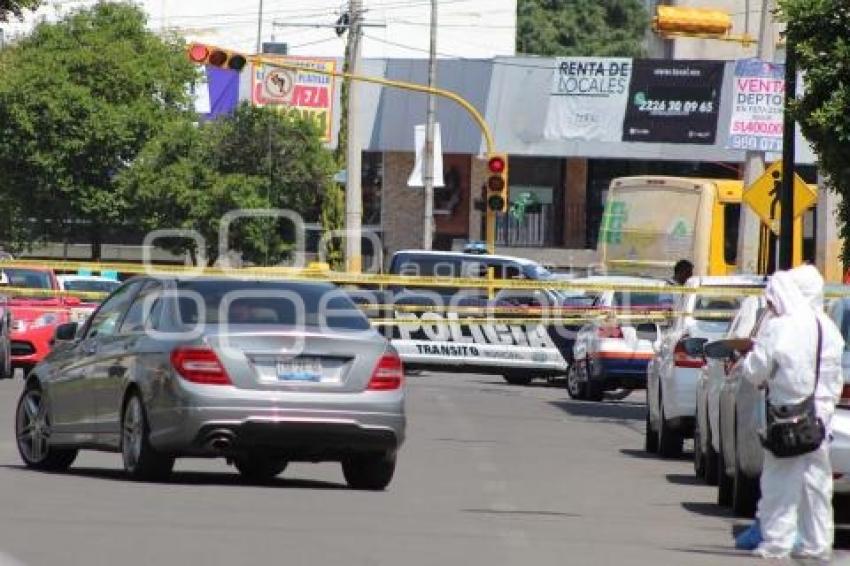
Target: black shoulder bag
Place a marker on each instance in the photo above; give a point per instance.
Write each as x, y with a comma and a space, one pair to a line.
794, 430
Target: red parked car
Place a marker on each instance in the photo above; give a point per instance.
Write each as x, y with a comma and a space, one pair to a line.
34, 318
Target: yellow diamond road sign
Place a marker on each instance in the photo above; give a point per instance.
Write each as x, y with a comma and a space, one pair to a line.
763, 196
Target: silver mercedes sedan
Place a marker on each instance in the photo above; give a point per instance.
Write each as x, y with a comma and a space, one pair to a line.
259, 372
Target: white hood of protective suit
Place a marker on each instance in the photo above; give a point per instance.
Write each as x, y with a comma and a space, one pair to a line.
783, 293
810, 283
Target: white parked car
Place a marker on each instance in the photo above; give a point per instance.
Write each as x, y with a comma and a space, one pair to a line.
672, 374
709, 381
610, 353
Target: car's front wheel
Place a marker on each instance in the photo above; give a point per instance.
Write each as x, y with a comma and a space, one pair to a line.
576, 385
141, 460
369, 471
259, 467
699, 454
32, 431
670, 440
650, 441
518, 378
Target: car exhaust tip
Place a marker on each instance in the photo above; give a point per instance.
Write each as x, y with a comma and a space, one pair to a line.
219, 441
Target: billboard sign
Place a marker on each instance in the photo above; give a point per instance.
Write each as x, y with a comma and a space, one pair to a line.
310, 94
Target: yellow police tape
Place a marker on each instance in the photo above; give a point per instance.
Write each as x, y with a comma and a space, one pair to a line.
380, 280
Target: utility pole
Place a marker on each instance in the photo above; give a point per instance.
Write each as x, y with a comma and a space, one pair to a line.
786, 217
749, 226
353, 194
428, 158
260, 28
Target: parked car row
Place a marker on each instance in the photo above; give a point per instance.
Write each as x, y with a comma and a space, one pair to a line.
32, 319
708, 398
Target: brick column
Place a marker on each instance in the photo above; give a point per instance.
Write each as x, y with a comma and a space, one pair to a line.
402, 205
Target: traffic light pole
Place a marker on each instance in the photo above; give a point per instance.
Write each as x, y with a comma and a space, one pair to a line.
473, 112
403, 85
786, 219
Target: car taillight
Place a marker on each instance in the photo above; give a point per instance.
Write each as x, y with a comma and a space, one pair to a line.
199, 364
388, 374
845, 397
612, 331
682, 360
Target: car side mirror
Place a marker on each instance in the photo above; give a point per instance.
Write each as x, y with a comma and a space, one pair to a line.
695, 347
65, 332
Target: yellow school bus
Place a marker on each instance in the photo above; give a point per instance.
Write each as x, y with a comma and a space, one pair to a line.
651, 222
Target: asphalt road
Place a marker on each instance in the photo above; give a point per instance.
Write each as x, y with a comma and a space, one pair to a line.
492, 474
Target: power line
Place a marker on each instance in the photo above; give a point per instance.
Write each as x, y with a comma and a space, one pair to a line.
461, 58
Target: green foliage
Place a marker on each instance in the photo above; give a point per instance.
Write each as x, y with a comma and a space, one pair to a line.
189, 176
78, 101
612, 28
333, 218
16, 8
820, 30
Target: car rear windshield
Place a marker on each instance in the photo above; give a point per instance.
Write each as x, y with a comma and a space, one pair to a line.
91, 285
270, 303
708, 307
639, 299
28, 278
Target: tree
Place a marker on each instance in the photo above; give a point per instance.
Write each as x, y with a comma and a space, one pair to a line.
819, 30
190, 176
16, 8
613, 28
78, 101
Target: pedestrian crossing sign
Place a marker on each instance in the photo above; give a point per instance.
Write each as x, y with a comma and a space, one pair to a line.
763, 196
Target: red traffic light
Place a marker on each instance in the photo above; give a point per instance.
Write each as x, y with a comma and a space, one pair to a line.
198, 53
496, 164
221, 58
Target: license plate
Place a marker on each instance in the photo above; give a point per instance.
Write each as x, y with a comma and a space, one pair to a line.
300, 369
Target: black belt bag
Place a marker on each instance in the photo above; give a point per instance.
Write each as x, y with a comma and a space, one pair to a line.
794, 430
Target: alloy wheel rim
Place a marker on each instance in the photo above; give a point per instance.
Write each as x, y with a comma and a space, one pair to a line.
33, 427
131, 434
572, 383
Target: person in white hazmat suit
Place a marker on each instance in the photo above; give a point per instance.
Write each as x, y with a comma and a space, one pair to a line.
796, 493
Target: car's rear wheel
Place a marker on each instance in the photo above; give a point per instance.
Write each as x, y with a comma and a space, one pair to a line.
6, 371
141, 460
670, 440
259, 467
576, 384
32, 431
724, 482
369, 471
650, 441
710, 456
699, 454
745, 493
516, 378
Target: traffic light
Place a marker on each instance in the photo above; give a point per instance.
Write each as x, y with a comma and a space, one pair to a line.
697, 21
215, 56
497, 182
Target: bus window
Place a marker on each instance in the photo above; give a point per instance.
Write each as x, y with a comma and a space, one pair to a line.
731, 218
